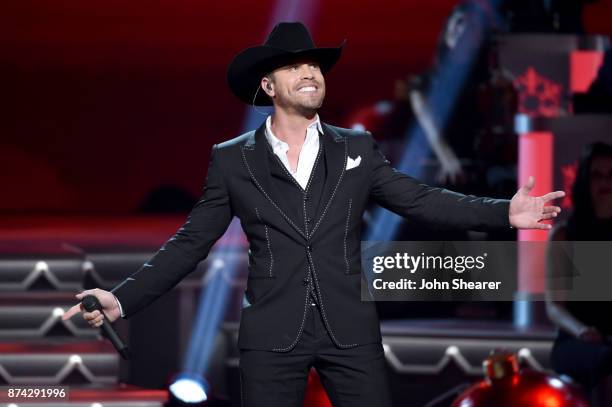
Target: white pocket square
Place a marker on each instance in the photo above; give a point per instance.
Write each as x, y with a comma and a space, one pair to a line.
352, 163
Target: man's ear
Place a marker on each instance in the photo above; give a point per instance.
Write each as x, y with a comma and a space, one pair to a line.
267, 86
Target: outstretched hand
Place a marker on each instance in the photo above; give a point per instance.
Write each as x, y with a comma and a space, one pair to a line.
527, 212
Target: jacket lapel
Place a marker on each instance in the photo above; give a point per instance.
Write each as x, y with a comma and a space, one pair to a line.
255, 159
336, 153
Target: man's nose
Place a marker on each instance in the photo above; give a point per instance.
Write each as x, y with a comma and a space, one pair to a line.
305, 71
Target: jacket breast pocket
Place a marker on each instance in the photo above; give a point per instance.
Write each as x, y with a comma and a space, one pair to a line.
355, 178
355, 171
261, 263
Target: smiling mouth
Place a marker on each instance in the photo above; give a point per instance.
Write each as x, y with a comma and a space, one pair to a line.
307, 89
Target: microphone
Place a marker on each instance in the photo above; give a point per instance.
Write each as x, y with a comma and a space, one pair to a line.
91, 303
253, 103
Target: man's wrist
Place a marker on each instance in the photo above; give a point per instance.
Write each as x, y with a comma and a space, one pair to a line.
119, 305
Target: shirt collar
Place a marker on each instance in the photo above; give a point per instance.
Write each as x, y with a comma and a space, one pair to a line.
276, 142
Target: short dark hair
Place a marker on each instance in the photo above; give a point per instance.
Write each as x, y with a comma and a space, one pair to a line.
582, 219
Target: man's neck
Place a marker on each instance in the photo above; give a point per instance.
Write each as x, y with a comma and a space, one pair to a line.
291, 128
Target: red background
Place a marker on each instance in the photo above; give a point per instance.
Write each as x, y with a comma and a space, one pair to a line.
102, 101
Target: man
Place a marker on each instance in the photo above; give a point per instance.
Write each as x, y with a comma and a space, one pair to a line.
300, 187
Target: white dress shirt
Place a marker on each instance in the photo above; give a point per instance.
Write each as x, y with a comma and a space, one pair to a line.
308, 153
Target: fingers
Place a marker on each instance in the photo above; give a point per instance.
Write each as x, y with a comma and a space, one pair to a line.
553, 195
72, 311
78, 307
551, 209
549, 215
543, 226
91, 316
529, 185
95, 319
87, 292
549, 212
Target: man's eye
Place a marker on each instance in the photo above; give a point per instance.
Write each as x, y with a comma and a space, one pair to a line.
314, 66
293, 68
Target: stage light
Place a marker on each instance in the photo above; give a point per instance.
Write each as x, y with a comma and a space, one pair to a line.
190, 389
556, 383
452, 351
464, 35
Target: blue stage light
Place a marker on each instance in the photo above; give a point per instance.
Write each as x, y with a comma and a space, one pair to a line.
189, 388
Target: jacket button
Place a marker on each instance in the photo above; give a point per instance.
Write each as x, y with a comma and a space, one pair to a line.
309, 247
305, 282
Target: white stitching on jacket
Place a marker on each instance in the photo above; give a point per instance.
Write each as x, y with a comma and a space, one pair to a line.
323, 313
268, 243
263, 191
346, 227
306, 299
292, 178
307, 236
299, 334
311, 261
333, 192
305, 193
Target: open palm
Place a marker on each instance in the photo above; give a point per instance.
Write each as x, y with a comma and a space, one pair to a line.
527, 212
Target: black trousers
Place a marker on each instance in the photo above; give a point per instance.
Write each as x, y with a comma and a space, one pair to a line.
352, 377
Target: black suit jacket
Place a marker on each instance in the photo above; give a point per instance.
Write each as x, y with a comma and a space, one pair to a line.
287, 256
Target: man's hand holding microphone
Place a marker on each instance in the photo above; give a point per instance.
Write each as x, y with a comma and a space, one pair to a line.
98, 305
109, 303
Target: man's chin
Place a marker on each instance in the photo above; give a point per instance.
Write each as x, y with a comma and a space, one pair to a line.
308, 111
309, 108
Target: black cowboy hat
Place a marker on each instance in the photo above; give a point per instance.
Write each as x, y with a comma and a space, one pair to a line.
286, 43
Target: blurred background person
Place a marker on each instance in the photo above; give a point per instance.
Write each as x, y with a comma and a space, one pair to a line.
582, 349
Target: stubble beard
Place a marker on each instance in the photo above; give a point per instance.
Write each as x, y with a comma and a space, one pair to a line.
309, 107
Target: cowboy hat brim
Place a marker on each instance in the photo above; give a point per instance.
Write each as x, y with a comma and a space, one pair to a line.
249, 66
